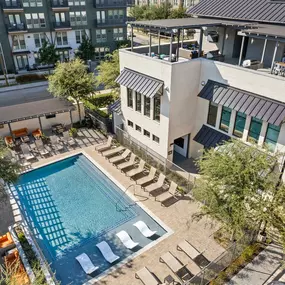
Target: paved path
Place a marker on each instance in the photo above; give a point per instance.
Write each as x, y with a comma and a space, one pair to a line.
260, 269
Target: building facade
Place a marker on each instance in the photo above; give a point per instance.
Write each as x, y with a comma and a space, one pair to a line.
25, 24
174, 3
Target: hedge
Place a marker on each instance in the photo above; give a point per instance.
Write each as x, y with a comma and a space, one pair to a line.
27, 78
102, 100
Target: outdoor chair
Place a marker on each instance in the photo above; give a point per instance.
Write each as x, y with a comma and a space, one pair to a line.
86, 263
171, 193
146, 277
149, 178
144, 229
188, 249
41, 148
55, 143
155, 186
107, 252
126, 240
37, 134
26, 151
136, 171
127, 164
113, 151
119, 158
105, 146
68, 139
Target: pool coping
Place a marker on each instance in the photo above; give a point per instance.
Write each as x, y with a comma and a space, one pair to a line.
168, 230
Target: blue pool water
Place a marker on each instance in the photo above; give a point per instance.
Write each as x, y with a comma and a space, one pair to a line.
70, 206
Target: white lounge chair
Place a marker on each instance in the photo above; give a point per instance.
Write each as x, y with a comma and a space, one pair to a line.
146, 277
26, 151
107, 252
41, 148
55, 143
68, 139
86, 263
137, 170
126, 240
157, 185
105, 146
144, 229
142, 181
121, 157
169, 194
127, 164
113, 151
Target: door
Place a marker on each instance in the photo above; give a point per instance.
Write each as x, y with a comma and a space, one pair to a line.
181, 145
22, 61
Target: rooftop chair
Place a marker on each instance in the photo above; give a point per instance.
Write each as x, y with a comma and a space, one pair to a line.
188, 249
149, 178
155, 186
146, 277
121, 157
137, 170
40, 147
26, 151
55, 143
6, 240
127, 164
144, 229
68, 139
105, 146
20, 132
126, 240
86, 263
113, 151
9, 141
169, 194
107, 252
37, 133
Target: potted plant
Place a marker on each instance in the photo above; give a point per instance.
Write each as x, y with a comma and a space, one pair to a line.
73, 132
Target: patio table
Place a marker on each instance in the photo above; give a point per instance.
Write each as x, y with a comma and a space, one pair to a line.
25, 139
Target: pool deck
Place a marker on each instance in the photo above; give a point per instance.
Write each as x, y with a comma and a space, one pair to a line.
176, 216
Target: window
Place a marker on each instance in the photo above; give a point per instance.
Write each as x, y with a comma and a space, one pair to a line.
35, 21
138, 128
78, 18
101, 36
101, 52
179, 142
146, 106
239, 124
50, 116
37, 59
14, 19
212, 114
138, 102
22, 61
254, 129
271, 137
79, 35
130, 98
32, 3
118, 34
146, 133
130, 124
59, 18
101, 17
61, 39
225, 119
76, 2
115, 14
156, 108
155, 138
39, 39
63, 55
18, 42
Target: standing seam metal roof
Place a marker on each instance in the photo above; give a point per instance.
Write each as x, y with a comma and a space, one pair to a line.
243, 101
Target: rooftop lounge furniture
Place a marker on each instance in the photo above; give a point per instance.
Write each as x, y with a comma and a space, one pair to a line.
157, 185
169, 194
105, 146
188, 249
107, 252
68, 139
37, 133
144, 229
41, 148
126, 240
121, 157
137, 170
146, 277
57, 128
149, 178
86, 263
55, 143
9, 141
127, 164
113, 151
6, 240
26, 151
20, 132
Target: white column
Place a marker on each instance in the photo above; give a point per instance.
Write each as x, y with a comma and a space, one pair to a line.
262, 133
246, 128
149, 43
241, 50
232, 122
219, 114
274, 55
263, 52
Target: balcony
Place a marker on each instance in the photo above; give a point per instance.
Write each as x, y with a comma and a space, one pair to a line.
17, 28
12, 6
100, 4
59, 5
111, 22
62, 25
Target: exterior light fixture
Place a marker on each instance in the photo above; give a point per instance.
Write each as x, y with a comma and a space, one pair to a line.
203, 83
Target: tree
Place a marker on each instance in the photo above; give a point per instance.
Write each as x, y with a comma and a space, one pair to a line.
86, 49
178, 13
108, 71
47, 54
240, 186
71, 80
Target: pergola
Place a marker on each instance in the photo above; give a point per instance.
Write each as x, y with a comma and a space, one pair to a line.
155, 27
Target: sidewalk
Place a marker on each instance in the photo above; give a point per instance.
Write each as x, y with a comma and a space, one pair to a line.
261, 268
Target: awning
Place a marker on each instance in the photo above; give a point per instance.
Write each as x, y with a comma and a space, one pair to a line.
139, 82
21, 52
63, 48
115, 107
210, 137
243, 101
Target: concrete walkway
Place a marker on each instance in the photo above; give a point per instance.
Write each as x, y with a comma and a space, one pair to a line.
261, 268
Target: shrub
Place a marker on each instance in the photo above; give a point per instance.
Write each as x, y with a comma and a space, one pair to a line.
26, 78
102, 100
102, 113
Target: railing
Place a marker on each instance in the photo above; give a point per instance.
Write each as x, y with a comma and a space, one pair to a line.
12, 5
58, 25
173, 172
59, 3
112, 3
16, 27
110, 22
98, 121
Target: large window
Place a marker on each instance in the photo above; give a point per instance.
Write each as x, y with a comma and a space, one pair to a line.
239, 124
101, 17
61, 39
101, 52
254, 129
32, 3
156, 108
76, 2
63, 55
78, 18
39, 39
19, 42
212, 114
130, 98
22, 62
147, 106
272, 136
138, 102
79, 35
115, 14
101, 35
225, 119
118, 34
35, 20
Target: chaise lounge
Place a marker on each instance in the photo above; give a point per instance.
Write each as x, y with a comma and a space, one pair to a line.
127, 164
113, 151
86, 263
144, 229
157, 185
137, 170
171, 193
107, 252
126, 240
119, 158
105, 146
149, 178
146, 277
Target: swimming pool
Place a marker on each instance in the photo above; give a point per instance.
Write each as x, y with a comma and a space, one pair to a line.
70, 206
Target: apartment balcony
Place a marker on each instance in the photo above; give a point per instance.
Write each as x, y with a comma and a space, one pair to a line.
58, 26
17, 28
59, 5
12, 6
111, 22
103, 4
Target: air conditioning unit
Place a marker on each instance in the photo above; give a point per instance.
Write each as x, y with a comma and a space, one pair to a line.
213, 37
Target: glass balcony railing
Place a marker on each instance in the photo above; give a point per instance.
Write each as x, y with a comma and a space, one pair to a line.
12, 5
16, 27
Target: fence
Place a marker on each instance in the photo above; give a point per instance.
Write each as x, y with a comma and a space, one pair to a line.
99, 122
172, 171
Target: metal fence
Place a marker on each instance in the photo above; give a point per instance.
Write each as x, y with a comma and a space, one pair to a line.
99, 122
173, 172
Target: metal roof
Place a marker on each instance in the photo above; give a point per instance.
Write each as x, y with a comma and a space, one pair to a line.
275, 31
270, 11
210, 137
243, 101
139, 82
115, 107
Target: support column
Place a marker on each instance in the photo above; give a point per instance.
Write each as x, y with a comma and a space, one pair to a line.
149, 50
10, 129
40, 123
177, 48
263, 52
224, 38
274, 55
241, 51
200, 42
158, 48
182, 38
170, 46
71, 120
132, 38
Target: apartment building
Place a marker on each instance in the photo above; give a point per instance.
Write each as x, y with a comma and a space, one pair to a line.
174, 3
25, 24
176, 103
